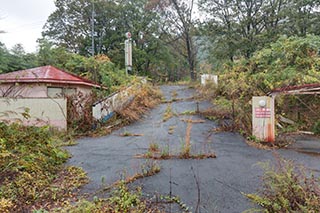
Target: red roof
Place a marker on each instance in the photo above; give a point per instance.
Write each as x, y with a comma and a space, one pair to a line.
45, 74
300, 89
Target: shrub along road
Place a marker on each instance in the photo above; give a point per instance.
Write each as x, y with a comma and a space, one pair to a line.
221, 180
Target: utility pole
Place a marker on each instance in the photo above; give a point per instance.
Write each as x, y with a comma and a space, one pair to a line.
92, 29
128, 52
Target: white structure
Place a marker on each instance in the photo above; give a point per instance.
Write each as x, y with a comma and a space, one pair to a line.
35, 111
206, 78
263, 119
128, 52
42, 91
104, 109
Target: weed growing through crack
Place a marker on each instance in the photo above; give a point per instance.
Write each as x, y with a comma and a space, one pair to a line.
153, 147
149, 168
171, 129
155, 152
174, 94
122, 200
165, 152
128, 134
193, 121
188, 112
186, 147
175, 199
168, 113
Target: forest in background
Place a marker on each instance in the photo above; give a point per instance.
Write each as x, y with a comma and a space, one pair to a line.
172, 39
254, 46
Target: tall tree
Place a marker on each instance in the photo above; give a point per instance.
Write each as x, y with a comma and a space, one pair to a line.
302, 17
69, 26
49, 54
4, 59
241, 27
222, 27
178, 17
16, 58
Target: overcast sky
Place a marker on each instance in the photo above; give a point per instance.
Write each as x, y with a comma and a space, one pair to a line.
22, 20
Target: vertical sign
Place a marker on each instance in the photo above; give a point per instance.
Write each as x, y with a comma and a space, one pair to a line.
263, 124
128, 52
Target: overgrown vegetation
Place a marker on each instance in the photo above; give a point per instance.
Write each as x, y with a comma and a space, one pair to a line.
167, 113
288, 188
79, 112
145, 97
142, 97
33, 177
287, 62
32, 174
122, 200
125, 200
162, 153
316, 128
148, 168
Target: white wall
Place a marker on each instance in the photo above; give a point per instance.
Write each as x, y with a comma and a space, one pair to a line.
23, 90
206, 78
42, 111
35, 90
104, 109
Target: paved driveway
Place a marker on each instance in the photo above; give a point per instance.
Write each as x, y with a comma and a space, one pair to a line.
222, 179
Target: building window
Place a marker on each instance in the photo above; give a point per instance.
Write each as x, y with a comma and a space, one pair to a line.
69, 91
55, 92
58, 92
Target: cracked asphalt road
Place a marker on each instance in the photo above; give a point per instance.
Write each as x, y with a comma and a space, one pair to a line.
222, 180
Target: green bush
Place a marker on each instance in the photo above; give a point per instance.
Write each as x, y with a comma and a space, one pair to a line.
287, 62
122, 200
288, 188
316, 128
29, 161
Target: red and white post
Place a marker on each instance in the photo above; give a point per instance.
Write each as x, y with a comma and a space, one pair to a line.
263, 118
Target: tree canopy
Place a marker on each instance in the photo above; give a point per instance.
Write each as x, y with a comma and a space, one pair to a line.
169, 37
238, 28
70, 27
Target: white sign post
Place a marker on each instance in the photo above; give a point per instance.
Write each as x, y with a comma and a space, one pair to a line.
128, 52
263, 127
